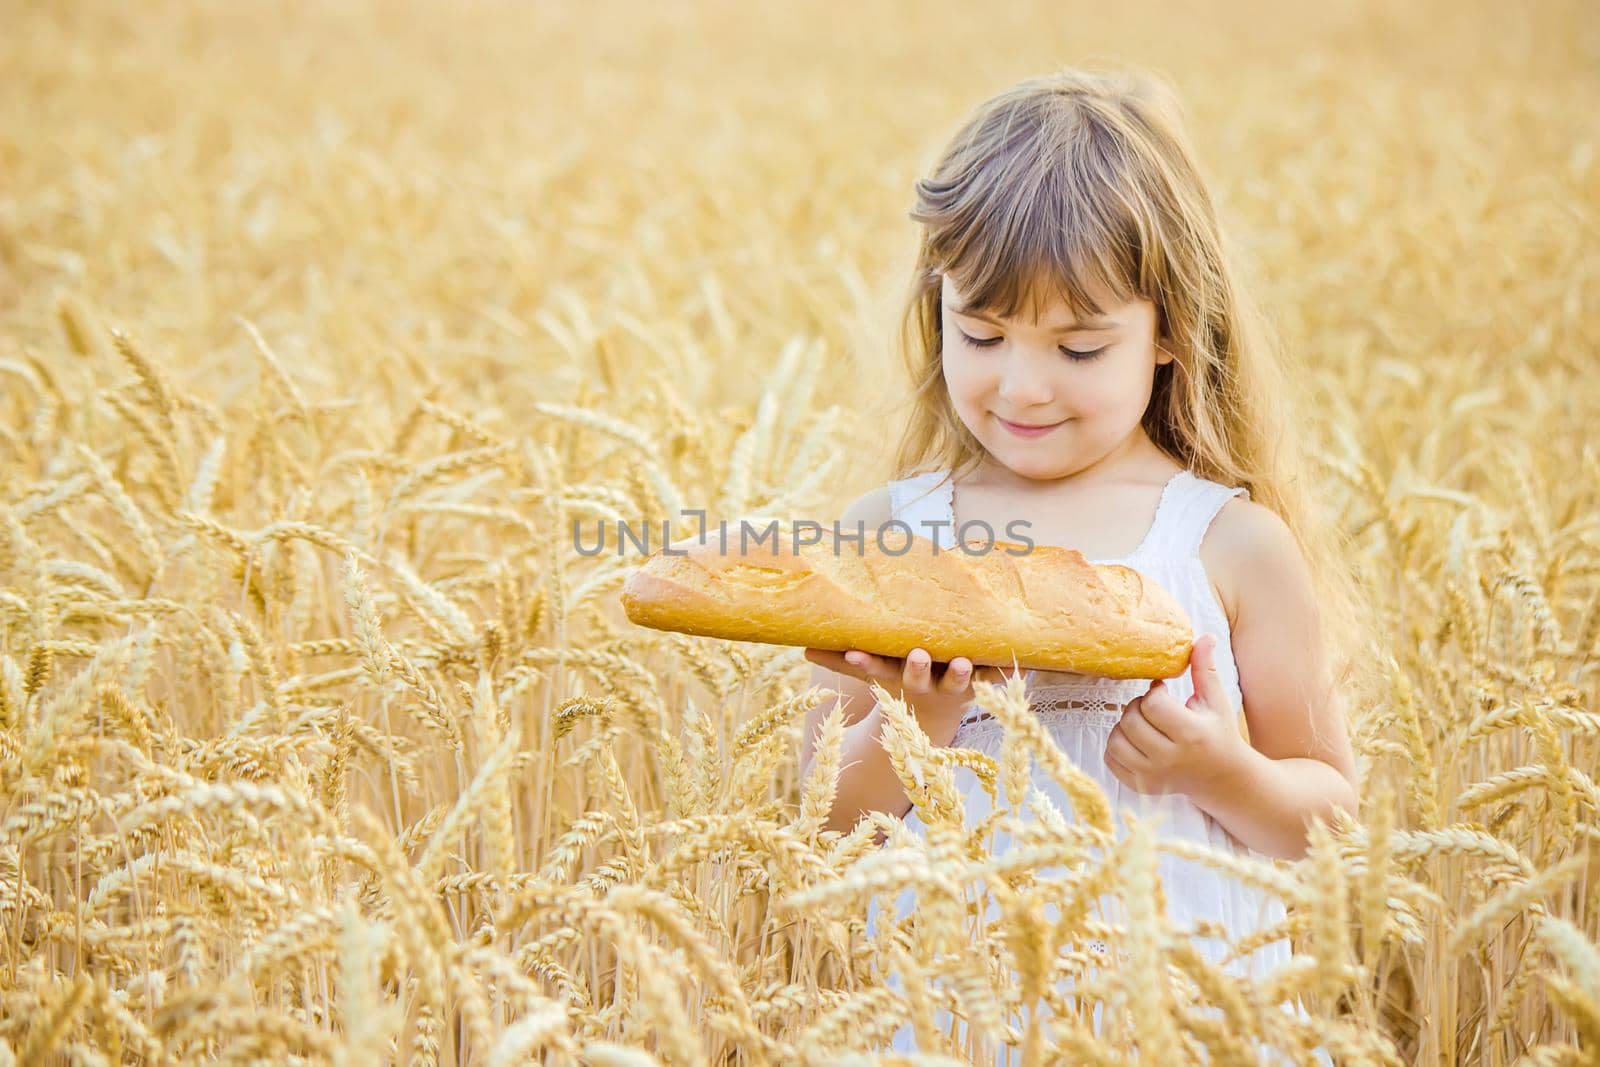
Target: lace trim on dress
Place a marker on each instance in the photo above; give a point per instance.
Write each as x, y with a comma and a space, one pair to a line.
1080, 699
1055, 709
947, 498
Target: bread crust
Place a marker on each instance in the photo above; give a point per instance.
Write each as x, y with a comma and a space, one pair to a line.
1047, 606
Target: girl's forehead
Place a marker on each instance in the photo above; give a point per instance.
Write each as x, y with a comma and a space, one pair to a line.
1044, 297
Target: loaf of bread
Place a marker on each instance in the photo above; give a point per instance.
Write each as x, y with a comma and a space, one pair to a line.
1045, 608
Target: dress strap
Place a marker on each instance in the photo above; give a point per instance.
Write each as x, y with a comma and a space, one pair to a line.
1186, 517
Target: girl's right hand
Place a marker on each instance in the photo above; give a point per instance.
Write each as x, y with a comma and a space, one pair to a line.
937, 695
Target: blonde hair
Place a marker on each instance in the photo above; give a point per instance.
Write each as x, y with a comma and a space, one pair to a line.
1085, 180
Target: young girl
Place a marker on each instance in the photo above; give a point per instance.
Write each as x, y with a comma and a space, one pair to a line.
1082, 358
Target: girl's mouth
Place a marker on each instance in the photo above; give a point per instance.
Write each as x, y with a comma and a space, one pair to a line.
1031, 431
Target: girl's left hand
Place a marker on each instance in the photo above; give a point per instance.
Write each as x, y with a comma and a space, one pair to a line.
1161, 746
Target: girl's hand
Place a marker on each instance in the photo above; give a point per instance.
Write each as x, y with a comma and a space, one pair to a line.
1162, 746
938, 696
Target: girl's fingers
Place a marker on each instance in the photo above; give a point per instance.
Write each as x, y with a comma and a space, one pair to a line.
828, 659
957, 676
919, 671
869, 668
855, 663
976, 674
844, 662
915, 671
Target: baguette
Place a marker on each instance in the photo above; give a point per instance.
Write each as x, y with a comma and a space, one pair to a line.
1045, 608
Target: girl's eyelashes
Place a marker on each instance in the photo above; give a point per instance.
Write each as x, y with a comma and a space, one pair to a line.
990, 342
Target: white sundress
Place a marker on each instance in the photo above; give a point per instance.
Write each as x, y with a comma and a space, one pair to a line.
1079, 712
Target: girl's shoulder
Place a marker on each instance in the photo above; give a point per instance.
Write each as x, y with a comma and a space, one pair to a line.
877, 505
873, 507
1245, 540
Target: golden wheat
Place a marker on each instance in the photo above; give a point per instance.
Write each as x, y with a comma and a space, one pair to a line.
321, 742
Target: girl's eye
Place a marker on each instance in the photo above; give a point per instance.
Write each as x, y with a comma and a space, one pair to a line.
989, 342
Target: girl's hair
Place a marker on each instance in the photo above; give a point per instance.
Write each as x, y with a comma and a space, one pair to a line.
1083, 180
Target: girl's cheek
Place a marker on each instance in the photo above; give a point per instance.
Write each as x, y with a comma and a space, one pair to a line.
960, 376
955, 378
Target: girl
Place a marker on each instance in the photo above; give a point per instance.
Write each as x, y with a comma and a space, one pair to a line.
1081, 357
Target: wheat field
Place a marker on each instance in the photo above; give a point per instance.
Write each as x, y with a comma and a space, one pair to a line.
321, 324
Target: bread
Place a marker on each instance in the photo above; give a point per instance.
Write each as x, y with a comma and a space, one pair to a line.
1047, 607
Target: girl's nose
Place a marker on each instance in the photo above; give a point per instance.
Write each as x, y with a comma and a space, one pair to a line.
1020, 387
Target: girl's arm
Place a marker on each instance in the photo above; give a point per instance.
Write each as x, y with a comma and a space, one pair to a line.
1299, 762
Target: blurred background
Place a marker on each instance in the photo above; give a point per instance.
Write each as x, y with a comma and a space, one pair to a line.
694, 184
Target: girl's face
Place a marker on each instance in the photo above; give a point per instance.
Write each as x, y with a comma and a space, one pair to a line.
1008, 379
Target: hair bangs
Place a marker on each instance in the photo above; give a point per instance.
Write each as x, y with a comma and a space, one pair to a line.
1039, 225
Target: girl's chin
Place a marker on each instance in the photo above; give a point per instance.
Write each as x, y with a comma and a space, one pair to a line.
1037, 464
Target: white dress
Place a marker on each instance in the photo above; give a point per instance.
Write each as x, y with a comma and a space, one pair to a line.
1079, 712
